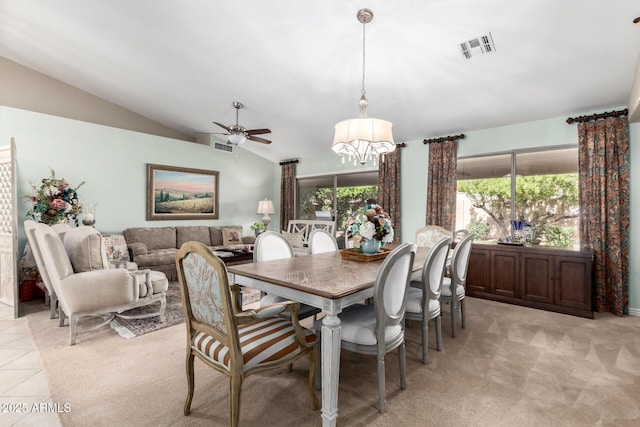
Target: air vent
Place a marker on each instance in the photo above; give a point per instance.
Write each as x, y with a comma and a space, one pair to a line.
480, 45
216, 142
227, 148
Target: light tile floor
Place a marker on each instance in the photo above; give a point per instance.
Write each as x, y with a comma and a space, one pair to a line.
24, 392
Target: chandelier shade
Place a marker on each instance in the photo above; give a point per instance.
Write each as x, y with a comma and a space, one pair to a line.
363, 139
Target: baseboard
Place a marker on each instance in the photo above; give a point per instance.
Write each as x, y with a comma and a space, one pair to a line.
634, 312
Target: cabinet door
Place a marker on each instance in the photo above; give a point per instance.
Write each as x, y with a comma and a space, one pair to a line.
537, 278
478, 271
573, 282
504, 273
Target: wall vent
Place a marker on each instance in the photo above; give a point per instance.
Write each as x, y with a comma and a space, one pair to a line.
480, 45
216, 142
227, 148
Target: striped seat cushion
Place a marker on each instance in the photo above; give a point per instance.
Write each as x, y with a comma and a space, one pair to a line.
261, 341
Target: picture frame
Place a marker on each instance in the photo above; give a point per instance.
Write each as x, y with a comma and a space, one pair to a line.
175, 193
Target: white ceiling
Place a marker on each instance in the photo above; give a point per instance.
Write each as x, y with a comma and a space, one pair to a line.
296, 65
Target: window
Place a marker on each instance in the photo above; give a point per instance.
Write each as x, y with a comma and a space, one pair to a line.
335, 197
531, 196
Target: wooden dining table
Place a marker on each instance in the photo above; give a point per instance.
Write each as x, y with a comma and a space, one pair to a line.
328, 282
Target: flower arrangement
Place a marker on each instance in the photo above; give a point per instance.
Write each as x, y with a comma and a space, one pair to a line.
54, 201
370, 222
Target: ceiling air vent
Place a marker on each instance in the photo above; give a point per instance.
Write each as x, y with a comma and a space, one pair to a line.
480, 45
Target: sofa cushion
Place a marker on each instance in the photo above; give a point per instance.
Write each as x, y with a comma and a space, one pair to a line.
216, 235
195, 233
231, 236
153, 237
86, 250
156, 257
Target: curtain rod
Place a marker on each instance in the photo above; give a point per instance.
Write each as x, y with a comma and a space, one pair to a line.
582, 119
401, 145
289, 161
443, 139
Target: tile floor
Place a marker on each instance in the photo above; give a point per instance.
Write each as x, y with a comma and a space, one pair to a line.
24, 391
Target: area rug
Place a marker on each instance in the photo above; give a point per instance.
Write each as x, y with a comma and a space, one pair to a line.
131, 328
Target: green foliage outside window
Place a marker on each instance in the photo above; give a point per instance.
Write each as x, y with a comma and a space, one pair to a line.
541, 200
348, 199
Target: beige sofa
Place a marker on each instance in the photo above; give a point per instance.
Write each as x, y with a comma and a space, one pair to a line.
155, 247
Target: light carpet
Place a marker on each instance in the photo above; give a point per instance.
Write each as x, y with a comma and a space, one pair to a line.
511, 366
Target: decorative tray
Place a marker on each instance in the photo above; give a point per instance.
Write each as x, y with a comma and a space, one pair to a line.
352, 255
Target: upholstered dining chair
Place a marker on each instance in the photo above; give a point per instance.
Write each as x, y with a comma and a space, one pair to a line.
426, 237
423, 298
453, 288
102, 293
269, 246
379, 328
223, 336
321, 241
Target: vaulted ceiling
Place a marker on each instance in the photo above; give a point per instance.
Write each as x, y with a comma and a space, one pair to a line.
296, 65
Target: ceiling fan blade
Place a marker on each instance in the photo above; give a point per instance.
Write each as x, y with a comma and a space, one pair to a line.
223, 126
257, 131
258, 139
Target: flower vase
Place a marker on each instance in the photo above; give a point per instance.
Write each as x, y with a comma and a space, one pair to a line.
370, 247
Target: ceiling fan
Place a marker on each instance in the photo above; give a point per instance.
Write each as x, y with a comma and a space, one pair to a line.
239, 134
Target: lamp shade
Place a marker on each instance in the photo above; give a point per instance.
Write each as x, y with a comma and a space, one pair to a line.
265, 207
363, 138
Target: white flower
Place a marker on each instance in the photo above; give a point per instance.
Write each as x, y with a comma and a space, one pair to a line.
51, 191
367, 230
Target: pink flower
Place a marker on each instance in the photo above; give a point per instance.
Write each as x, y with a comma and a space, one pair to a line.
58, 204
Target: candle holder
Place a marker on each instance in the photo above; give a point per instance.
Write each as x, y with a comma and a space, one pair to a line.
89, 214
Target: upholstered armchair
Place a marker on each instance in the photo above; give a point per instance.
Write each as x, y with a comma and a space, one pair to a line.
223, 336
93, 290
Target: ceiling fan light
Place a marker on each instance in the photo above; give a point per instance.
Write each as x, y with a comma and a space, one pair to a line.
237, 138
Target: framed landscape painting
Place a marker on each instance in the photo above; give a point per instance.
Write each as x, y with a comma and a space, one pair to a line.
181, 193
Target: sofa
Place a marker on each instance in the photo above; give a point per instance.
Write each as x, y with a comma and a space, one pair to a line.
155, 247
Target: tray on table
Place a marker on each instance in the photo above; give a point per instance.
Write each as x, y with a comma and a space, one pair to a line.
352, 255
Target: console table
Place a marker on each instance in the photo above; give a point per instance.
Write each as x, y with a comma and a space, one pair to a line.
539, 277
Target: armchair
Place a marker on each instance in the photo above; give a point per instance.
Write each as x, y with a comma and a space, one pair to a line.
101, 292
222, 336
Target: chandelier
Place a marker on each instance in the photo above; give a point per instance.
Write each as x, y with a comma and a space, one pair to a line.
364, 138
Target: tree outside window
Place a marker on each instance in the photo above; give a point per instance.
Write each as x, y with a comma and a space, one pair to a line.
543, 193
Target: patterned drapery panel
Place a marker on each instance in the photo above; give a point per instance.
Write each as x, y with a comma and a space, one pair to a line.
603, 151
442, 184
287, 194
389, 189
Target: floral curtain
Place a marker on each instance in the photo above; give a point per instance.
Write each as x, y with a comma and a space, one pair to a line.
389, 189
442, 184
603, 151
287, 193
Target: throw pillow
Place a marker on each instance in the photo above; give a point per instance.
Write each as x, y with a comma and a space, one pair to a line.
232, 236
85, 248
295, 239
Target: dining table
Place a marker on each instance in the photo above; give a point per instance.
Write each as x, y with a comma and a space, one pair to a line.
326, 281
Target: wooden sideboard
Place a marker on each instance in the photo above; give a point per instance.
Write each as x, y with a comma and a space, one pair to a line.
539, 277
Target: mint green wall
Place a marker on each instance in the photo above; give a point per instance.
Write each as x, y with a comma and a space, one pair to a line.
112, 162
542, 133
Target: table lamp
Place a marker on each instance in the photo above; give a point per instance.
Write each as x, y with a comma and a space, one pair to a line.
265, 207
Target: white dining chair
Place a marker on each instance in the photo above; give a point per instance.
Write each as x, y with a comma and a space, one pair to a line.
321, 241
379, 328
453, 288
271, 246
423, 297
